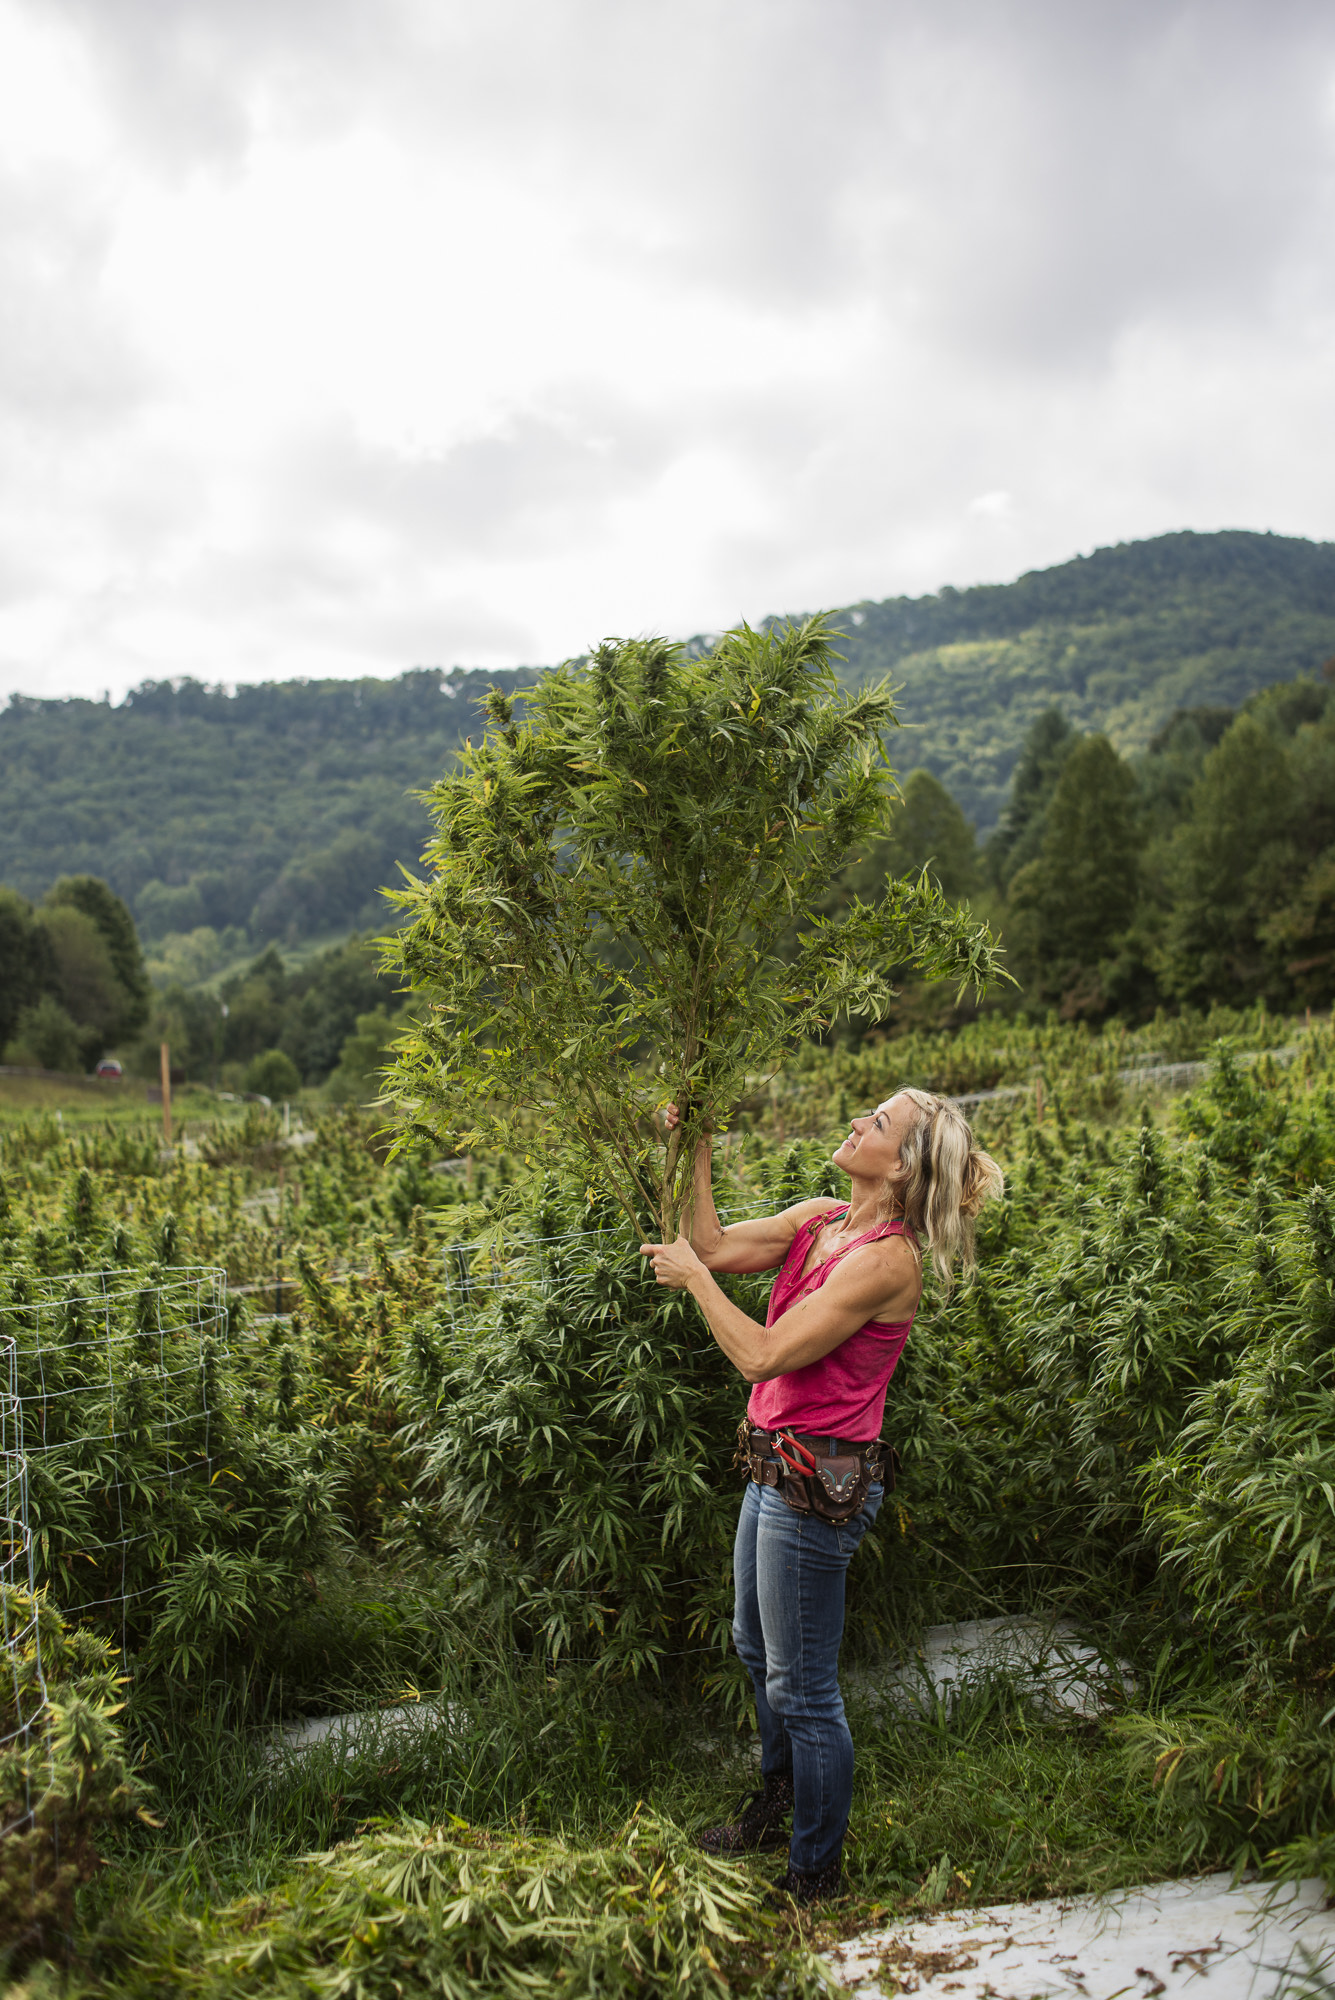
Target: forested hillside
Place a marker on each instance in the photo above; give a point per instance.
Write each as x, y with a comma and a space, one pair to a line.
282, 809
1118, 641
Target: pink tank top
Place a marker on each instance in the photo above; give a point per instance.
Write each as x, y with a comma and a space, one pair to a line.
842, 1394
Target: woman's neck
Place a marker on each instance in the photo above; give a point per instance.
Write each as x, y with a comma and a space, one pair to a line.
864, 1206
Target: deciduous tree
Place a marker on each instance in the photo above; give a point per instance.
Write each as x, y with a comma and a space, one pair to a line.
105, 909
26, 968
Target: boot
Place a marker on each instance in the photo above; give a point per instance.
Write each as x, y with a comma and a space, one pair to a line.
804, 1890
760, 1826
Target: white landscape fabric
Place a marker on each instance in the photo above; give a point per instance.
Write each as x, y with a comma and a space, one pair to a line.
1200, 1936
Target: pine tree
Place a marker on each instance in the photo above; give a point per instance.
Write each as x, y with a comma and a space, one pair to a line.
1016, 842
1076, 899
1230, 864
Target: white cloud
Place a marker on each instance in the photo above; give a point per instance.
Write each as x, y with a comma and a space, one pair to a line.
336, 338
991, 506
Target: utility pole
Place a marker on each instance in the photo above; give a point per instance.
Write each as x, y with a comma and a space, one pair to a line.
166, 1095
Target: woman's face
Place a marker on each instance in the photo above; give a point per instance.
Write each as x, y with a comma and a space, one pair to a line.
871, 1150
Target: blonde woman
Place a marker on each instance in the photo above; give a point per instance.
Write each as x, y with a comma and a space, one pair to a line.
840, 1312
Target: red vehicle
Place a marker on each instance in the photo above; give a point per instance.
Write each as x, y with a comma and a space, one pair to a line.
109, 1067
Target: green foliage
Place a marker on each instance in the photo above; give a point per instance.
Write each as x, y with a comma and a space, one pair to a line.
211, 1495
104, 909
927, 831
428, 1910
1049, 742
1230, 850
1119, 1310
1073, 902
364, 1055
281, 810
1246, 1789
489, 1475
71, 974
1244, 1502
1117, 641
573, 1479
307, 1012
85, 979
1246, 868
1204, 873
574, 1457
188, 958
1174, 759
45, 1038
1090, 1071
26, 968
63, 1772
611, 881
126, 1390
273, 1074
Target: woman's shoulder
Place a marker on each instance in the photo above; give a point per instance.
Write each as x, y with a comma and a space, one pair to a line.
803, 1213
890, 1251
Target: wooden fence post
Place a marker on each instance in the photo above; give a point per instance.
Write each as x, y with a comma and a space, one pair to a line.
166, 1060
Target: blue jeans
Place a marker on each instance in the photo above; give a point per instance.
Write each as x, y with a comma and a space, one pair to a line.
788, 1572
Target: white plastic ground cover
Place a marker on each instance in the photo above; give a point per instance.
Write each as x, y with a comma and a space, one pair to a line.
1202, 1937
1044, 1658
358, 1731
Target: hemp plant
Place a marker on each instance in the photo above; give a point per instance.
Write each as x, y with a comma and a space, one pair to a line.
617, 873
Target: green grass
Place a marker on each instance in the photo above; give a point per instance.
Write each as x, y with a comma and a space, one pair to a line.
80, 1101
93, 1101
556, 1781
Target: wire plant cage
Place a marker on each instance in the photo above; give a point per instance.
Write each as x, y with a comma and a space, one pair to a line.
23, 1691
107, 1399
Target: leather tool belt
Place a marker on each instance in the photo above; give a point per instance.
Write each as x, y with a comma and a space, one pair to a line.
826, 1476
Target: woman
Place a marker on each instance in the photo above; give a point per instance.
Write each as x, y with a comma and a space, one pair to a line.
839, 1315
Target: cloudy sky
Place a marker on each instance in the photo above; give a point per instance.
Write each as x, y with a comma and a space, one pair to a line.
340, 336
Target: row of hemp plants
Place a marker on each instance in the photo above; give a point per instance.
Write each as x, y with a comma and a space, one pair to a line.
239, 1195
209, 1489
546, 1449
556, 1417
1128, 1419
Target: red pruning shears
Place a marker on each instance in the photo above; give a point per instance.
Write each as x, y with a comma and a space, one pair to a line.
779, 1440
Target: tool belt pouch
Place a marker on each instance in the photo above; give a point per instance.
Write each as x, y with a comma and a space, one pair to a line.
836, 1487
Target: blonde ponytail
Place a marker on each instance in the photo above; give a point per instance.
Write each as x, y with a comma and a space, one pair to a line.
941, 1183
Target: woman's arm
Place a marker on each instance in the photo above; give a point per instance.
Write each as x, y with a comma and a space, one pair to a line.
757, 1245
879, 1281
703, 1226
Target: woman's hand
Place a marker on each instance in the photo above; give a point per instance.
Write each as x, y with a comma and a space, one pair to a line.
672, 1119
674, 1264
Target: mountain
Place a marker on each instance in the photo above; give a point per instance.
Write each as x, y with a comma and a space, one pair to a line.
280, 809
1119, 641
283, 808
